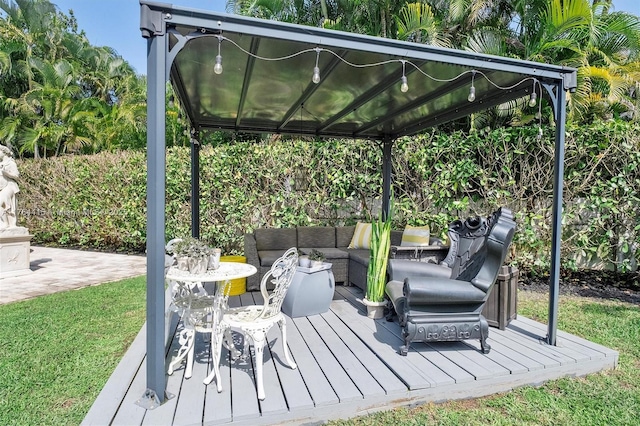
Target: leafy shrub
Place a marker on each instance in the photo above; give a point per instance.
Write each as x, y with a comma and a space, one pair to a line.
99, 201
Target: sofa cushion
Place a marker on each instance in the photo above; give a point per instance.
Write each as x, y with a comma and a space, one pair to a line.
359, 255
344, 235
275, 238
267, 257
361, 236
440, 291
316, 236
415, 236
329, 252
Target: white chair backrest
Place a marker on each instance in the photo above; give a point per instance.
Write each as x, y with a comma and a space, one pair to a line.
170, 259
280, 275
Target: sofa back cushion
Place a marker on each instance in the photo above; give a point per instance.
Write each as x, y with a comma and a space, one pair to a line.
344, 235
275, 239
361, 236
316, 236
415, 236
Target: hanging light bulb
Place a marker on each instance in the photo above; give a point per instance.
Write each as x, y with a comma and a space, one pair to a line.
539, 137
472, 94
316, 75
472, 89
316, 69
534, 96
404, 86
217, 68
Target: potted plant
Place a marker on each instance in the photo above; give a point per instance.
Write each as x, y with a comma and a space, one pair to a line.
377, 272
316, 257
303, 260
192, 255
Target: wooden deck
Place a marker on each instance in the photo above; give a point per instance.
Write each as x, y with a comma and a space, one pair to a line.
348, 365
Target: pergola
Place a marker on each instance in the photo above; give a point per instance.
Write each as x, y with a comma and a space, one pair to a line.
242, 74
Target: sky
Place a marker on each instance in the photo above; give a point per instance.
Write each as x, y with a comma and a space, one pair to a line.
116, 23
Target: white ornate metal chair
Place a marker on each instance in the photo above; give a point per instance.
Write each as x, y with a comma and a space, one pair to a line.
198, 310
217, 329
255, 321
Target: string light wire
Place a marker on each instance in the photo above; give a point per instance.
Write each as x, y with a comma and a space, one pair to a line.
404, 62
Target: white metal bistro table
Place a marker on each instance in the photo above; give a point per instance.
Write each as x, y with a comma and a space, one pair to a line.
201, 310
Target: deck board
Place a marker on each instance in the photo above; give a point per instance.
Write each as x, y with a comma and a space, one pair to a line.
244, 394
359, 375
347, 365
295, 390
340, 381
217, 406
380, 341
384, 376
318, 386
567, 340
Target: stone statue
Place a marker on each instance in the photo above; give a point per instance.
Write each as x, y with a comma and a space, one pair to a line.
8, 188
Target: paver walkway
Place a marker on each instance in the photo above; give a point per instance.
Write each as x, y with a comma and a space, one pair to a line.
55, 269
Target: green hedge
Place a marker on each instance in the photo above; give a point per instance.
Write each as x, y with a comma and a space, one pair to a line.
99, 201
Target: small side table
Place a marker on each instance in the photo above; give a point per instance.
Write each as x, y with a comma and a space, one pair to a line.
429, 254
502, 304
310, 292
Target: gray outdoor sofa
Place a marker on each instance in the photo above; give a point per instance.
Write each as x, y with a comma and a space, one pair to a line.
265, 245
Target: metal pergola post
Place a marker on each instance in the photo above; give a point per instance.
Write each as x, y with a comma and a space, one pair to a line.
195, 187
556, 237
156, 163
387, 146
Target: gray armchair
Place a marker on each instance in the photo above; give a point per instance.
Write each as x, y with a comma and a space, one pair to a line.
444, 302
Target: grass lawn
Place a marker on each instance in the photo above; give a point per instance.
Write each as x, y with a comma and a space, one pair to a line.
59, 350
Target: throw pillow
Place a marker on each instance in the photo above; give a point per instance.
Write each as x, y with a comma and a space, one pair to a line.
361, 236
415, 236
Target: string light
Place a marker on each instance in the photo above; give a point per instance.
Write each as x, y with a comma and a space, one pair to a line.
404, 86
217, 68
539, 113
472, 89
534, 96
316, 69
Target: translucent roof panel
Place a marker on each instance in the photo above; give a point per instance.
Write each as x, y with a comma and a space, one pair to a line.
266, 83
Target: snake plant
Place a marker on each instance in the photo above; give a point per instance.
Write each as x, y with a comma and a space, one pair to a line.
378, 257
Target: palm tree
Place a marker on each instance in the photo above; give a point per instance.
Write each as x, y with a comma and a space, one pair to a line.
577, 33
417, 22
23, 30
58, 93
48, 116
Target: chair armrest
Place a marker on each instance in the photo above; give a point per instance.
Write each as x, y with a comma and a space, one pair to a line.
399, 269
420, 291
